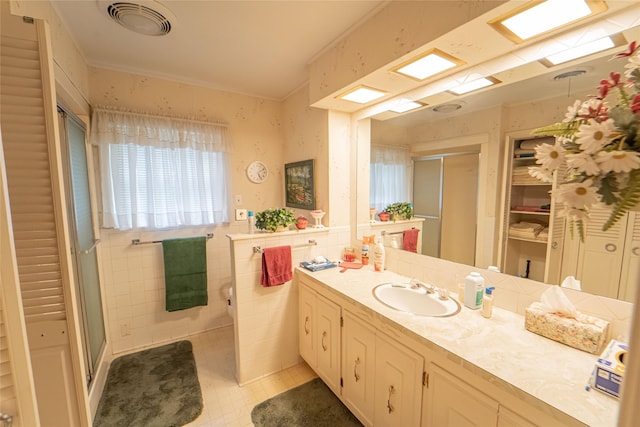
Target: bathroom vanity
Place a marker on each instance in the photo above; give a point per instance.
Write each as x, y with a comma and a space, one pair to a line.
392, 368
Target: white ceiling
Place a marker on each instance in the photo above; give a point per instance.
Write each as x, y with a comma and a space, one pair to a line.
259, 48
263, 48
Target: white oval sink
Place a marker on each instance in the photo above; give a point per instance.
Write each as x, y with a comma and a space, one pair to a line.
402, 297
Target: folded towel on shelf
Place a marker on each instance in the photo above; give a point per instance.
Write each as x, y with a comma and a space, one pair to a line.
527, 230
410, 240
276, 266
543, 234
185, 273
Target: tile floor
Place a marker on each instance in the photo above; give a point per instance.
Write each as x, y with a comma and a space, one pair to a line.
226, 404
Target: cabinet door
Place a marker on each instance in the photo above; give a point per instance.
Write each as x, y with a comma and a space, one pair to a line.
328, 342
306, 319
358, 367
600, 258
398, 384
454, 403
631, 263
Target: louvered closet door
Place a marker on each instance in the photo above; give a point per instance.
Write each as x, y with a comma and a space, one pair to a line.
600, 257
7, 392
631, 260
36, 229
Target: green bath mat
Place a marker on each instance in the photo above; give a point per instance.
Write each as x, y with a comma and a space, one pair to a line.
152, 388
312, 404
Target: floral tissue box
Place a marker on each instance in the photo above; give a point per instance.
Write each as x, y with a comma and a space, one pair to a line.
587, 334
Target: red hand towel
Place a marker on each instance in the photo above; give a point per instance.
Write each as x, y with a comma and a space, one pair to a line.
276, 266
410, 240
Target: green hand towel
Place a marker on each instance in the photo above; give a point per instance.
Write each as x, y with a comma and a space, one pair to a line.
185, 272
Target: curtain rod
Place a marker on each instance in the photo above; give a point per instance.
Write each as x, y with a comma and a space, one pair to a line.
157, 116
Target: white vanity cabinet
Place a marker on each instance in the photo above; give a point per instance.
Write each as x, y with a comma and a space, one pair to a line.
453, 403
398, 384
319, 335
381, 378
358, 367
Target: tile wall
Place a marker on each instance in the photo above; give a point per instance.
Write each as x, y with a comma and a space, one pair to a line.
133, 282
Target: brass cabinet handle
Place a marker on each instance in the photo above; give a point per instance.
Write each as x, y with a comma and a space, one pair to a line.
635, 251
324, 335
610, 247
389, 405
306, 328
355, 369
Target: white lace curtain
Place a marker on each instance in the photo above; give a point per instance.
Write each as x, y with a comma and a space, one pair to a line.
160, 172
390, 179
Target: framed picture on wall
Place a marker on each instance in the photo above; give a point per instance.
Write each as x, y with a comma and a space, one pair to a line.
299, 185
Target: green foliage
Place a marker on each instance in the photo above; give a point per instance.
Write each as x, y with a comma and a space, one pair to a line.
402, 210
558, 129
629, 197
608, 189
272, 218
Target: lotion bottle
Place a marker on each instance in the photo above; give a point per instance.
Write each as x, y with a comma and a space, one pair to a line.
379, 256
487, 302
251, 222
473, 290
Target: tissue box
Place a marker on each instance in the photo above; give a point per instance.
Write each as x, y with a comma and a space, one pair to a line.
588, 335
609, 370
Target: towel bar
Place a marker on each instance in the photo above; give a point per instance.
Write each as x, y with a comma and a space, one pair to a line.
259, 250
385, 233
136, 242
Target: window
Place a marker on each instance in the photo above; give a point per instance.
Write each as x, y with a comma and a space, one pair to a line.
160, 172
390, 176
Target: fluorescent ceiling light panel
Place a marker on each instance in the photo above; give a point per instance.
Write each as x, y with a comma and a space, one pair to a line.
580, 51
362, 95
427, 65
539, 17
474, 85
405, 106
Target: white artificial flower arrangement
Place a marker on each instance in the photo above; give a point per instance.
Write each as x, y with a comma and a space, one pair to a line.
600, 145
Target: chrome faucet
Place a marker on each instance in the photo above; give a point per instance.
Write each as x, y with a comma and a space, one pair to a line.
415, 284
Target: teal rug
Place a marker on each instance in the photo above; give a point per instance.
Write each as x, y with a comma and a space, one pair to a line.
312, 404
158, 387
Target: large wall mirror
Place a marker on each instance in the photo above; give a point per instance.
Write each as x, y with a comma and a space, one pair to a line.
458, 147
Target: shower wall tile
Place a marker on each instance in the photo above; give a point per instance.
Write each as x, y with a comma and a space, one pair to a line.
133, 282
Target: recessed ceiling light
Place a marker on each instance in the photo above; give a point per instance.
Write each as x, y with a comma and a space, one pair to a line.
428, 64
446, 108
406, 105
537, 17
362, 95
584, 50
474, 85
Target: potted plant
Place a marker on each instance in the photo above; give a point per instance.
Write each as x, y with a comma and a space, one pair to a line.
400, 210
274, 219
384, 216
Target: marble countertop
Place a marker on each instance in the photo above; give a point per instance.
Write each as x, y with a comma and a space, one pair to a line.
539, 370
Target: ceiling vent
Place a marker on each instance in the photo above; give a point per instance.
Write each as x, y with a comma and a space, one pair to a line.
145, 17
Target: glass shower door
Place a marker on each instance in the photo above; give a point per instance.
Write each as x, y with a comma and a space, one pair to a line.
84, 240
